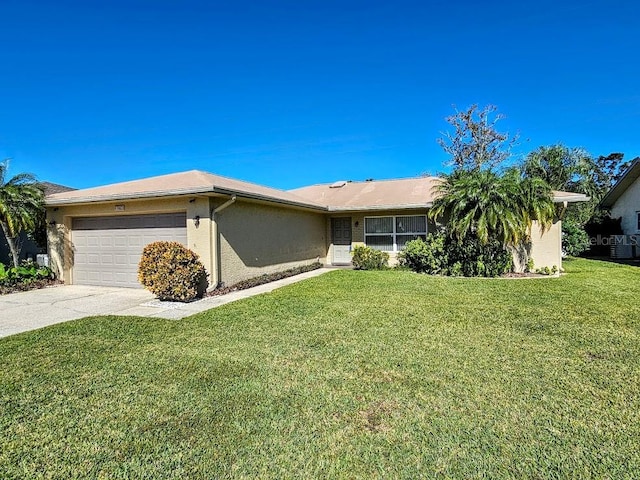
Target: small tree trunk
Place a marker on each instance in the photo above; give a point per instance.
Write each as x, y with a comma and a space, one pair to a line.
11, 241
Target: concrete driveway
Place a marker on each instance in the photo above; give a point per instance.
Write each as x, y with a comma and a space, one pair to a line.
24, 311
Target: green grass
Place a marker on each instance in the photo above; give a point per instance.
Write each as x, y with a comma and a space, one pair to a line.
348, 375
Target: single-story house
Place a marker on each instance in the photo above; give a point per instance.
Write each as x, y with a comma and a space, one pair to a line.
239, 229
29, 249
623, 200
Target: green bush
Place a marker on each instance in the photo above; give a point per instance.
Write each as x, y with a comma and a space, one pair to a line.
367, 258
530, 266
445, 255
575, 239
425, 256
547, 271
171, 271
26, 272
476, 259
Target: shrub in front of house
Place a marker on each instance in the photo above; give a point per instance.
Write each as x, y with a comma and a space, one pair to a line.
443, 254
27, 276
575, 240
367, 258
171, 271
425, 256
476, 259
26, 272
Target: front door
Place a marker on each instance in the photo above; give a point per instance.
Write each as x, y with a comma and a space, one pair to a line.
341, 239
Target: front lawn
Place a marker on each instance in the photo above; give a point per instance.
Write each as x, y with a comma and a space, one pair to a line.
351, 374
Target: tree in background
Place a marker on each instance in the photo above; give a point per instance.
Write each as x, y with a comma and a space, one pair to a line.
476, 144
21, 205
559, 166
574, 170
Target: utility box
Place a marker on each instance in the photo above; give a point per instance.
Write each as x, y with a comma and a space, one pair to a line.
42, 259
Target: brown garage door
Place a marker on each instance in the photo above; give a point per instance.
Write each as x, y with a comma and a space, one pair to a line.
107, 249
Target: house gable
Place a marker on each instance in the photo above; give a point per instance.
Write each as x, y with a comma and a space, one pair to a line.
624, 199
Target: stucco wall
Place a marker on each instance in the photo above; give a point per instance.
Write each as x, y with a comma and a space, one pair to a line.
257, 239
545, 248
626, 207
60, 236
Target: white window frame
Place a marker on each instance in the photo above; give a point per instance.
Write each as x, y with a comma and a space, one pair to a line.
394, 234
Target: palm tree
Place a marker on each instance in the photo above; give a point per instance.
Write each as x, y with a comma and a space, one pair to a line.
490, 206
21, 201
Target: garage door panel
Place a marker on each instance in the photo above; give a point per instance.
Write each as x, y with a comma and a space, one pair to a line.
107, 250
135, 242
80, 277
106, 240
121, 241
121, 277
93, 276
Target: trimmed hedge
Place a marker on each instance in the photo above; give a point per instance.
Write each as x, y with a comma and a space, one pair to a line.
171, 271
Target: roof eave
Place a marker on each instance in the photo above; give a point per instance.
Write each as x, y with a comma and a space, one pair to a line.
630, 176
270, 199
132, 196
578, 197
178, 192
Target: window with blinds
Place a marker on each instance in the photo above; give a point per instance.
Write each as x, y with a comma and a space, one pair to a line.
390, 234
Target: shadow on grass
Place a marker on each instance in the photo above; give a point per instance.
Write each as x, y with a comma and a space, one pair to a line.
634, 262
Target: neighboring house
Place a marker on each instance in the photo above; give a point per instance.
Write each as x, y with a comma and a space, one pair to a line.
242, 230
623, 200
28, 248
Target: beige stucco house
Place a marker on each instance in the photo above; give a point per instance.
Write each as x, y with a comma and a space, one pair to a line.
623, 200
239, 229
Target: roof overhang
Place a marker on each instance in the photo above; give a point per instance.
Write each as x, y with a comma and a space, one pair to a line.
572, 198
152, 195
269, 199
630, 176
149, 195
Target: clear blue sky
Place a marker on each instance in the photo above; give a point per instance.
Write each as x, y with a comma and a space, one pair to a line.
292, 93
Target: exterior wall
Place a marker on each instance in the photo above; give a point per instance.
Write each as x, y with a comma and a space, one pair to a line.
357, 227
626, 207
60, 237
257, 238
545, 249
